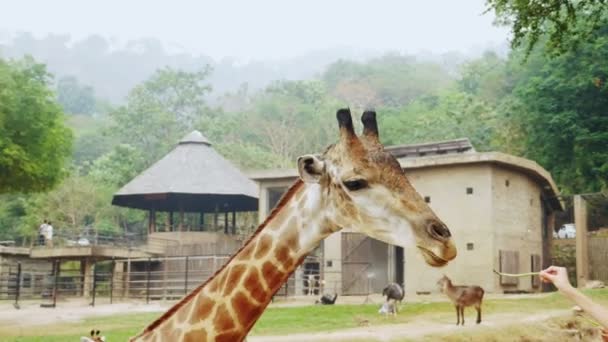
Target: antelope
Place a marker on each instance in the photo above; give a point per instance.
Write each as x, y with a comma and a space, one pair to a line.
462, 296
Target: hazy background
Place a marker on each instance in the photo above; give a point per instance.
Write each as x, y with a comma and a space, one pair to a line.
251, 42
266, 29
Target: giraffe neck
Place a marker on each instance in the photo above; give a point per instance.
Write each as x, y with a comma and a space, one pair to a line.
227, 305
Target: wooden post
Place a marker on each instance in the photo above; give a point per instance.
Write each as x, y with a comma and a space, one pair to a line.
215, 218
56, 282
112, 279
127, 279
148, 281
202, 223
152, 221
165, 269
226, 222
582, 245
94, 287
548, 253
233, 222
17, 286
186, 277
181, 220
171, 221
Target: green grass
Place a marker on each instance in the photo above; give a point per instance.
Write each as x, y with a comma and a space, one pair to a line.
314, 318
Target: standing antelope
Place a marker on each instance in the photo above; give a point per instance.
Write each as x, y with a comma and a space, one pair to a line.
462, 296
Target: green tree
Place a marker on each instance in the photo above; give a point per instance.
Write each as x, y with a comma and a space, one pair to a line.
118, 166
564, 22
74, 97
34, 141
161, 110
563, 105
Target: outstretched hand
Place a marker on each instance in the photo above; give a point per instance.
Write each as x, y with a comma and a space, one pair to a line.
556, 275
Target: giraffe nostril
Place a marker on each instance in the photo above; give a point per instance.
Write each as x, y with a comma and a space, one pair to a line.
439, 230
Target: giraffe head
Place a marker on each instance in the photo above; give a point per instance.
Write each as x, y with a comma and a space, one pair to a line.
365, 189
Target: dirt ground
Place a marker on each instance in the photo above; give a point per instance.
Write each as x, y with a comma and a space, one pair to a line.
411, 330
31, 315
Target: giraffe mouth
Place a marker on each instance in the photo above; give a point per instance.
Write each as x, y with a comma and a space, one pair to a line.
432, 258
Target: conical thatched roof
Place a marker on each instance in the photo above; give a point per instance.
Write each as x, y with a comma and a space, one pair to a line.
193, 177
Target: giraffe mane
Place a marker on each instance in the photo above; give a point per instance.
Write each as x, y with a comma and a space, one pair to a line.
282, 202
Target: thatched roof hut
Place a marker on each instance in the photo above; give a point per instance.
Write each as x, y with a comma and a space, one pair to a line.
193, 177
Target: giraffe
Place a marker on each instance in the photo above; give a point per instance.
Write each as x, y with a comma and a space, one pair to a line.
354, 184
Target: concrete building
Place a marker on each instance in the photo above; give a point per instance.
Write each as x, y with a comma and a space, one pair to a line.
499, 208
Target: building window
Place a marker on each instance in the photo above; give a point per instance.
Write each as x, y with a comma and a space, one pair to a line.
27, 281
470, 246
427, 199
469, 191
329, 263
274, 195
507, 183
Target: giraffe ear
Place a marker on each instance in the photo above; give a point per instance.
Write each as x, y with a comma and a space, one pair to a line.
311, 168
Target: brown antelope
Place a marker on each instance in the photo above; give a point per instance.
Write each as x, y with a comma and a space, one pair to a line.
462, 296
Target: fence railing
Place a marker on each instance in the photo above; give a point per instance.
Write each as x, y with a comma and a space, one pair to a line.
149, 279
90, 237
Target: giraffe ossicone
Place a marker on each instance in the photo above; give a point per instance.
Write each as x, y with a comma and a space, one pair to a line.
354, 184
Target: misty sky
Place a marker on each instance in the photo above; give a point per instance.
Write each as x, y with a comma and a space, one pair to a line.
263, 29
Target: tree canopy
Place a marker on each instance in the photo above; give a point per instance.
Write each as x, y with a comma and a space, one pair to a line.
562, 24
34, 141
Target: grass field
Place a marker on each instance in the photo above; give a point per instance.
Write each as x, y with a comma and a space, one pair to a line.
306, 319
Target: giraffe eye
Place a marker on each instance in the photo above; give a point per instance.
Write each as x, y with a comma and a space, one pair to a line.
356, 184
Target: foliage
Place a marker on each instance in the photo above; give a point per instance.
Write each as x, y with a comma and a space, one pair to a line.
564, 101
74, 97
565, 23
118, 166
34, 141
388, 81
161, 110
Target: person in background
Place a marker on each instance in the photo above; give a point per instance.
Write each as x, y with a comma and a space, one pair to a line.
49, 234
559, 277
42, 233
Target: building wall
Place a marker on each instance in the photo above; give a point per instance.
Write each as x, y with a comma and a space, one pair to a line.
517, 222
493, 217
34, 273
468, 217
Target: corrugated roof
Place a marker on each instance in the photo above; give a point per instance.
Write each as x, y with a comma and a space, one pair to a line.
193, 167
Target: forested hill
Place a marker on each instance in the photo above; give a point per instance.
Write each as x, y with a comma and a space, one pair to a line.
551, 109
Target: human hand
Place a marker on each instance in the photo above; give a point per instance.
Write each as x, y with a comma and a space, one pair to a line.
556, 275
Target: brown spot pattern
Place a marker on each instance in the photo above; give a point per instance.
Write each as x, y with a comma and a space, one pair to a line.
223, 321
247, 311
169, 333
291, 236
203, 307
235, 274
264, 245
253, 283
246, 252
194, 336
271, 274
231, 336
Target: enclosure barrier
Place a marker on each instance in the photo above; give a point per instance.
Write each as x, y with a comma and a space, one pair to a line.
146, 280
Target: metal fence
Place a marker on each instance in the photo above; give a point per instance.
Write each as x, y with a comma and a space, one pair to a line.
146, 280
89, 236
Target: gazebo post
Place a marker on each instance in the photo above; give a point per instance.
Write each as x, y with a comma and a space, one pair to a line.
202, 225
215, 218
233, 222
151, 221
171, 221
181, 220
226, 223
